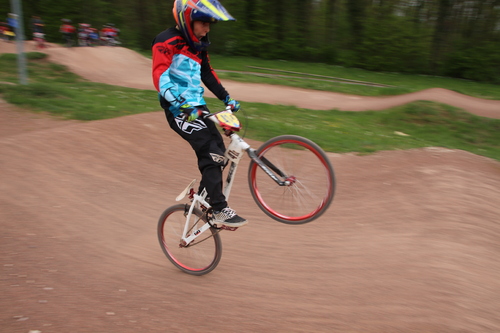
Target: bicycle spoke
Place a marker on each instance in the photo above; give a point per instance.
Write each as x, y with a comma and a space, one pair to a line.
309, 176
197, 258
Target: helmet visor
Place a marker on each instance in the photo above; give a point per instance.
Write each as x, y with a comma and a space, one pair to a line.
208, 11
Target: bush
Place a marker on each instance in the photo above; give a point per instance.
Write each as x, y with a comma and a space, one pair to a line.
475, 62
36, 55
393, 44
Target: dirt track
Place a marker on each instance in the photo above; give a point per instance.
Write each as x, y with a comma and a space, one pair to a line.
124, 67
409, 245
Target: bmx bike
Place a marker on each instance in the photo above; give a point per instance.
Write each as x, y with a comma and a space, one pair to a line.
290, 178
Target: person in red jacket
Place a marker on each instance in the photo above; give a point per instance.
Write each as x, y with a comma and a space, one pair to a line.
3, 30
180, 65
84, 34
68, 32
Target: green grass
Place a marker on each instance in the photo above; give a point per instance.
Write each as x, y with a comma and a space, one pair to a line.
414, 125
54, 90
403, 83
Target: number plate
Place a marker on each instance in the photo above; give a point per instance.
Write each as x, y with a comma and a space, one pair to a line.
227, 119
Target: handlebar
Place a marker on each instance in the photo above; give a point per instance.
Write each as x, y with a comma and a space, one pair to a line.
212, 116
226, 121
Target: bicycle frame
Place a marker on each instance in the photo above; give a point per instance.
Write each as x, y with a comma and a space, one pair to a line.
233, 156
290, 178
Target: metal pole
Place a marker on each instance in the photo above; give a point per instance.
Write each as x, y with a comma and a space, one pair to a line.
17, 19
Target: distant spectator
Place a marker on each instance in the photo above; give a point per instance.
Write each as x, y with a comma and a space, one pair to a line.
12, 21
105, 31
109, 34
9, 31
68, 32
84, 34
116, 34
10, 34
37, 24
3, 30
113, 30
94, 36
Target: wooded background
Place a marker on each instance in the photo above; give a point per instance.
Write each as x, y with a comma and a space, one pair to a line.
438, 37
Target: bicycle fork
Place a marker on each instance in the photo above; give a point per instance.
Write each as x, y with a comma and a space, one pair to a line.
270, 169
233, 154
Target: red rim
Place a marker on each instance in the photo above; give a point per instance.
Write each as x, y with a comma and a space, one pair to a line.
171, 256
272, 211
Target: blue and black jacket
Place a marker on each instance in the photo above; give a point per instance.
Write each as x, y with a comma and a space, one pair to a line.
179, 70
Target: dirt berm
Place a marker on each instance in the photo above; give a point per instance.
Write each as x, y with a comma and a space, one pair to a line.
410, 243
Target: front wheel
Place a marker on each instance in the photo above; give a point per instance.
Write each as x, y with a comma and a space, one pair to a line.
199, 257
309, 177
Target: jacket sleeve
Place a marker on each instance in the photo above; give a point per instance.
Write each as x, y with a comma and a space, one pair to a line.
210, 78
163, 53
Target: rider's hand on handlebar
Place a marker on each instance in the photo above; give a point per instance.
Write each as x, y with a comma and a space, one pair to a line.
235, 105
191, 113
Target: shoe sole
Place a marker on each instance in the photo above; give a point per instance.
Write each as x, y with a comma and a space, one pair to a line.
235, 225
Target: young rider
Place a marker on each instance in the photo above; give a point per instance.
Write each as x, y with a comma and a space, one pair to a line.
37, 29
84, 34
108, 34
180, 64
68, 31
3, 30
37, 24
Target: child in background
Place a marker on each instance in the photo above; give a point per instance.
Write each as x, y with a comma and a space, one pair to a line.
68, 32
94, 37
3, 29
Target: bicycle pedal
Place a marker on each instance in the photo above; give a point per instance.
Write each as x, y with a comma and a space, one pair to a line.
225, 227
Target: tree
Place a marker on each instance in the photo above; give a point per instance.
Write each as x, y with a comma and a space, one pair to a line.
445, 37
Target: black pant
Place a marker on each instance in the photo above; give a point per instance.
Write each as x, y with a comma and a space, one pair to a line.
207, 142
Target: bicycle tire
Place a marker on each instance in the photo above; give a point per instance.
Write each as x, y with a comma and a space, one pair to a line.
311, 176
202, 255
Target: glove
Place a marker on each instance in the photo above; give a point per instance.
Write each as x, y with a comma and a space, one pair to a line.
235, 105
190, 112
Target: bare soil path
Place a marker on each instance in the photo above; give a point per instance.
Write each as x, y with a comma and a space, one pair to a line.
409, 245
124, 67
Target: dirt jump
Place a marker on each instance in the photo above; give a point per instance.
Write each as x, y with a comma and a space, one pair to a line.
410, 243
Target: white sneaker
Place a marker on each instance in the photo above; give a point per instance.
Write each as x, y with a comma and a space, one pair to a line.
228, 217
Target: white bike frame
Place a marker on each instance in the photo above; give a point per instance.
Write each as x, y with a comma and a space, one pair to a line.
232, 155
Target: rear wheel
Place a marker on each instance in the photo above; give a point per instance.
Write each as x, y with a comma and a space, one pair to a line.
309, 175
199, 257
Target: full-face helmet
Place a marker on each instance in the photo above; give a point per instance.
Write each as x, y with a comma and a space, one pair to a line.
187, 11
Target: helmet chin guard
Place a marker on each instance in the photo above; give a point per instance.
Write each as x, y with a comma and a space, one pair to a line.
187, 11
